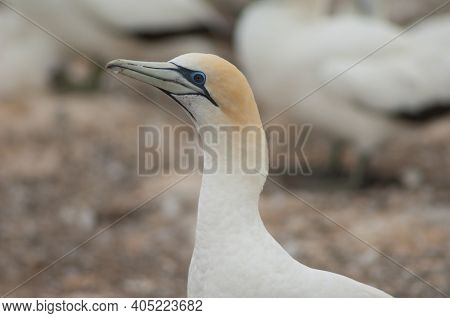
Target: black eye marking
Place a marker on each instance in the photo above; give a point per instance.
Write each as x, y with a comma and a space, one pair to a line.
198, 78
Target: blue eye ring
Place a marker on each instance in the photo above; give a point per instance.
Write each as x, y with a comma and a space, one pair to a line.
198, 78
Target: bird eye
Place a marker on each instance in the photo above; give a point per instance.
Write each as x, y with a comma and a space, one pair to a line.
198, 78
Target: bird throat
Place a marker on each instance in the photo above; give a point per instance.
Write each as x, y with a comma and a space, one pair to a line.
234, 173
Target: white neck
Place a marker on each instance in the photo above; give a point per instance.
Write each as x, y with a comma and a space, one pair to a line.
229, 195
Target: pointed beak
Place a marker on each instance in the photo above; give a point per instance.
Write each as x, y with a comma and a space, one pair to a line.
166, 76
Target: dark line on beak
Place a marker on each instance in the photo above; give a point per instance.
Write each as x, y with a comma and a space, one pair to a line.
180, 70
156, 68
153, 68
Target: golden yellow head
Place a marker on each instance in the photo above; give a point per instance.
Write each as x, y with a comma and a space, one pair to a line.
209, 88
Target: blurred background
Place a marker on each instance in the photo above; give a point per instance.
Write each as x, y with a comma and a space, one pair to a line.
379, 149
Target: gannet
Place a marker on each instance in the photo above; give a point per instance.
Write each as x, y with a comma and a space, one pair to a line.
234, 254
376, 100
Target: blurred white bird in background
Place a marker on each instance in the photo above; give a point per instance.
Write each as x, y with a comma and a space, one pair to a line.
27, 56
102, 29
301, 46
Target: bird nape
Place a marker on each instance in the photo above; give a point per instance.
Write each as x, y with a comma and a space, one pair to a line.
234, 254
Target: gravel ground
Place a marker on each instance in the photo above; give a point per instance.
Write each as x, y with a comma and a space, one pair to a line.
68, 170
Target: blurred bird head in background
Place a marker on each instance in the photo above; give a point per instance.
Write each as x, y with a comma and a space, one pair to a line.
209, 88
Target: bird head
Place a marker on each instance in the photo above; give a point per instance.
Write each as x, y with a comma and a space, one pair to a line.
217, 97
212, 90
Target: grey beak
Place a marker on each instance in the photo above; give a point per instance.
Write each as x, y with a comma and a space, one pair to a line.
163, 75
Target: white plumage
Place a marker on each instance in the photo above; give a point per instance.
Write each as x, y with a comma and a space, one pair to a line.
284, 39
234, 254
27, 56
409, 75
156, 15
98, 29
